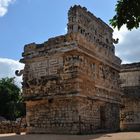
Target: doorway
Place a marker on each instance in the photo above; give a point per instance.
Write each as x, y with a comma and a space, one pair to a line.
102, 117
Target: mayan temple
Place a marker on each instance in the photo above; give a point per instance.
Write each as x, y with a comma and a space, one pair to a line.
71, 82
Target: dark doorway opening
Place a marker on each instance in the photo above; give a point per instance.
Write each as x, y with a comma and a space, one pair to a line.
102, 117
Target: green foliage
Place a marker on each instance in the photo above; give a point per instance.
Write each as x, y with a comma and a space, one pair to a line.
11, 103
127, 12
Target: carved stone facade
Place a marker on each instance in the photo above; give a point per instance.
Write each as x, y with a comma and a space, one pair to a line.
70, 82
130, 84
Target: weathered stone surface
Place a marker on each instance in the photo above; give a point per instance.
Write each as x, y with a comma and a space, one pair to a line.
71, 82
130, 84
12, 126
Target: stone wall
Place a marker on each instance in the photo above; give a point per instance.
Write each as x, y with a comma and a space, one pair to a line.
12, 127
71, 115
71, 83
130, 111
52, 116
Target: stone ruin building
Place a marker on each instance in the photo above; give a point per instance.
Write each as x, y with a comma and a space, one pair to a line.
130, 84
70, 82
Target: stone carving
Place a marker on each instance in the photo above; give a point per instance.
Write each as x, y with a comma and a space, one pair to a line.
115, 41
19, 73
130, 116
70, 81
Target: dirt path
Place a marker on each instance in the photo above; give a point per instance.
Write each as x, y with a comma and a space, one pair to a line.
108, 136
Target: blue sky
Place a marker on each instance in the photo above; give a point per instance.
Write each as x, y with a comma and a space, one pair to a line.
36, 20
27, 21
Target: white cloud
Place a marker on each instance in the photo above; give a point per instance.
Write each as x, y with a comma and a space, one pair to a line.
128, 48
66, 30
4, 6
8, 68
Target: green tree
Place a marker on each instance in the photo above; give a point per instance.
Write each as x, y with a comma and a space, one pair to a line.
11, 103
128, 13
